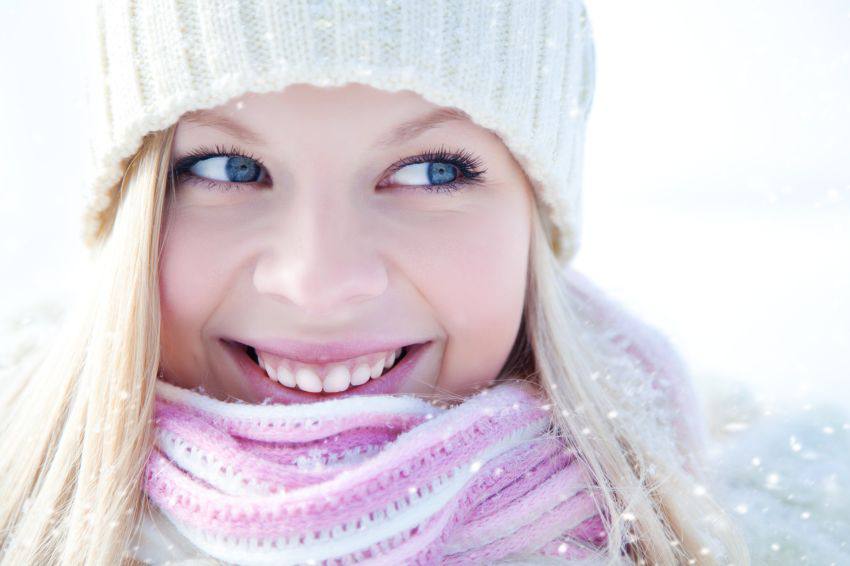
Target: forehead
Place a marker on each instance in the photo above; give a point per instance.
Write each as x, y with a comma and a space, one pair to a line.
400, 115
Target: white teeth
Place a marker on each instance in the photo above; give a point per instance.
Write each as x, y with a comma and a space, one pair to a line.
385, 364
361, 375
377, 368
285, 376
269, 371
308, 380
337, 379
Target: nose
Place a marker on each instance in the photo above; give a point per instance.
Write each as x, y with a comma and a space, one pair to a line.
320, 258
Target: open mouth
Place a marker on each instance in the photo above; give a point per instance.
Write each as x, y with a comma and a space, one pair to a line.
299, 383
376, 370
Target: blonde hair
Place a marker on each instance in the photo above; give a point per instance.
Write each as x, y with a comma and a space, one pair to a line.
71, 464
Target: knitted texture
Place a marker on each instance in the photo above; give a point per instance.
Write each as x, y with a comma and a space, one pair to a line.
646, 379
378, 479
524, 69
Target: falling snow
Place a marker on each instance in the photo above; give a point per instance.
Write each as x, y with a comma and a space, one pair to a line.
783, 477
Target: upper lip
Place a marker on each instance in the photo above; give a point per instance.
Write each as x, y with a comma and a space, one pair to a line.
324, 353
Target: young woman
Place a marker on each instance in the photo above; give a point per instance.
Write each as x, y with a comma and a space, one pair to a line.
331, 317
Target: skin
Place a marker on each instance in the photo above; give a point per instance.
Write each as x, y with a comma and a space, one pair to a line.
324, 251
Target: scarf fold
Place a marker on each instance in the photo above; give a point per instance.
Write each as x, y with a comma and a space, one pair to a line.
373, 479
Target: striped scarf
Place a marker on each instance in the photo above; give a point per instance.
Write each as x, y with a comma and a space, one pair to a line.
375, 479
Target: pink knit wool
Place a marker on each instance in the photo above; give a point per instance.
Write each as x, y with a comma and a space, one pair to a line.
375, 479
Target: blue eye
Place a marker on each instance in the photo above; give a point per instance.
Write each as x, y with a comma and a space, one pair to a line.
230, 169
427, 173
438, 170
220, 168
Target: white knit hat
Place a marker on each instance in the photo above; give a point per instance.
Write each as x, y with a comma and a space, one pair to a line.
524, 69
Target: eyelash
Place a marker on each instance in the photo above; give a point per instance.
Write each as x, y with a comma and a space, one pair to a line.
468, 164
181, 167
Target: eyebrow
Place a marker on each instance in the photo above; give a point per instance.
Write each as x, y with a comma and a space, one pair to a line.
406, 131
208, 118
403, 132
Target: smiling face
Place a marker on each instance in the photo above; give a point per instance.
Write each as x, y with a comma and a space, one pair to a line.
321, 218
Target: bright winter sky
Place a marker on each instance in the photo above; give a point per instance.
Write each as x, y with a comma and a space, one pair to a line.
717, 180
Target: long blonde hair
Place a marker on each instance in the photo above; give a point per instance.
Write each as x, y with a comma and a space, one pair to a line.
75, 423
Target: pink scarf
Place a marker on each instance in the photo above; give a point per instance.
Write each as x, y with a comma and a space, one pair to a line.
378, 479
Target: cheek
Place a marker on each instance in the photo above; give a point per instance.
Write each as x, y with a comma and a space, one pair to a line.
191, 277
473, 274
185, 283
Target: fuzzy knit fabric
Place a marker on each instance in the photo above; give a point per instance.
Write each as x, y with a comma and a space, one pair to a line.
374, 479
523, 69
648, 382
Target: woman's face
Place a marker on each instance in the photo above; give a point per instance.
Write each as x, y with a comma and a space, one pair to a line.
315, 228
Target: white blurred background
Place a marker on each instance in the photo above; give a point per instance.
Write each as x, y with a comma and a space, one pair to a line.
717, 189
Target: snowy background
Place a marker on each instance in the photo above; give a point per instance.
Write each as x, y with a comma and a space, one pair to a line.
716, 207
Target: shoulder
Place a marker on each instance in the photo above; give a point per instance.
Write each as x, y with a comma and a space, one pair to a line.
651, 352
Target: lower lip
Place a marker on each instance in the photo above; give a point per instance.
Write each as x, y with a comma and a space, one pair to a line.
263, 387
